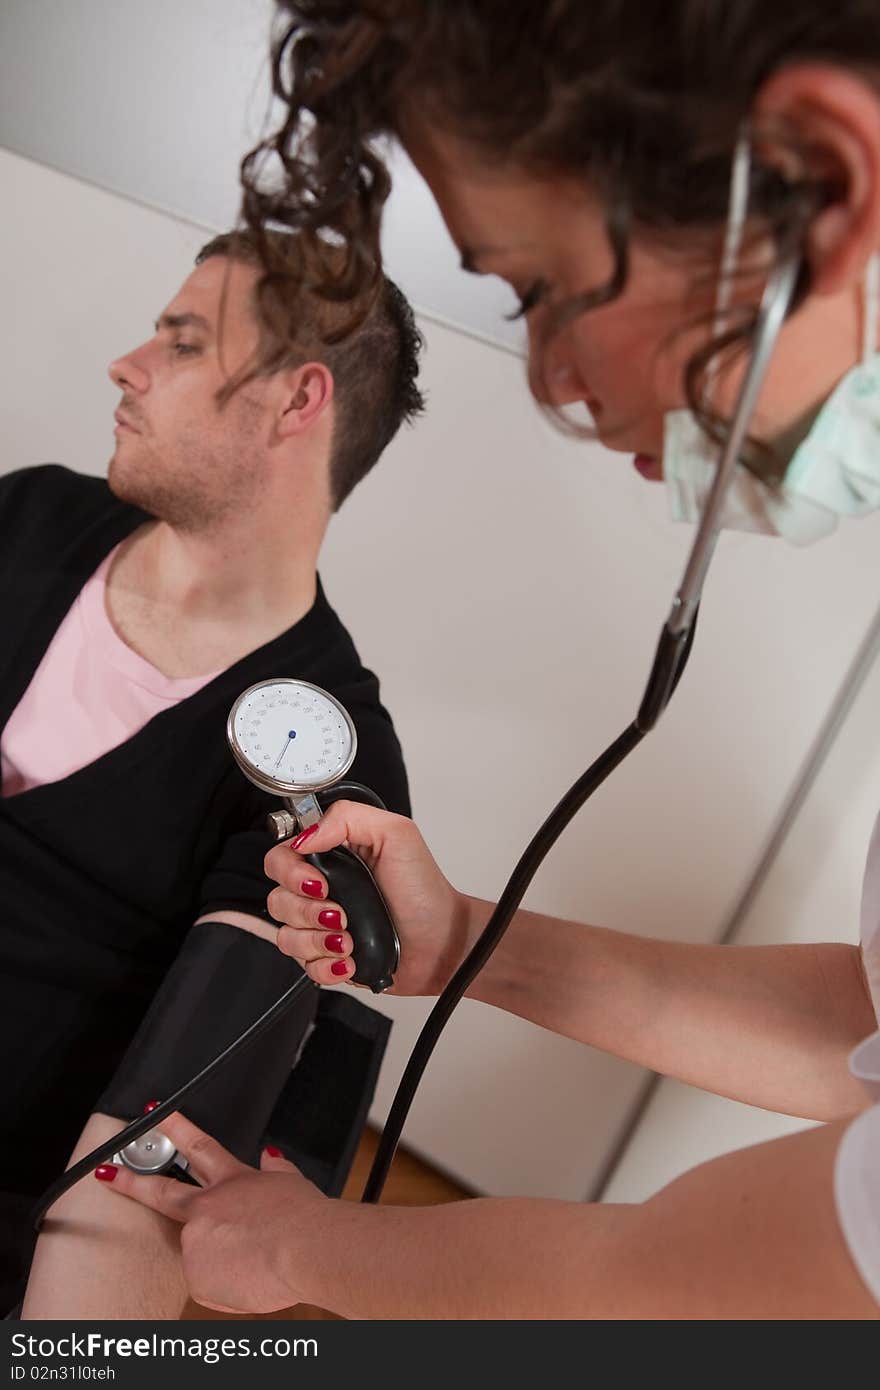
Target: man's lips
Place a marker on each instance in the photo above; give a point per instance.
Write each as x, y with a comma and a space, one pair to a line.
123, 423
649, 467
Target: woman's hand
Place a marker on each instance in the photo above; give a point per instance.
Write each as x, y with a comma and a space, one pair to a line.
431, 917
240, 1228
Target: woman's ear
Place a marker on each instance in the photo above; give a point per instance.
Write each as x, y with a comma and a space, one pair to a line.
831, 123
308, 392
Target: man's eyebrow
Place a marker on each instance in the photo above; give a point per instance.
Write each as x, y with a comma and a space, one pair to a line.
182, 321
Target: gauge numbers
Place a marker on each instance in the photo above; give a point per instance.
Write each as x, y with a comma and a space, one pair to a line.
291, 734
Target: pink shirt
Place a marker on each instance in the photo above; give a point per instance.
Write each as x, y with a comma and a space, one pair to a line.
90, 693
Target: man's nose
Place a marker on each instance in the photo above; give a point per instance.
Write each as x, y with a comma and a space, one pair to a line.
128, 373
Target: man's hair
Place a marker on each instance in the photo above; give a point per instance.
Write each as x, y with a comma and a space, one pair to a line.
374, 368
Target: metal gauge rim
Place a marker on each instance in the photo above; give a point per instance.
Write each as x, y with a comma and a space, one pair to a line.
275, 785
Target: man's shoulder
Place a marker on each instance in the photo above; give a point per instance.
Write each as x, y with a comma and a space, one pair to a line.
50, 506
49, 487
320, 649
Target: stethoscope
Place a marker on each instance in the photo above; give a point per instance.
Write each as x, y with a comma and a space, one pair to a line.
297, 742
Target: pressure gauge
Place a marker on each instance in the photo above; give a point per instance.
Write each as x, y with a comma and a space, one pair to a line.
293, 739
290, 737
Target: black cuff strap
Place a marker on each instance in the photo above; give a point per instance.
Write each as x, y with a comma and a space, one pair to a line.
222, 979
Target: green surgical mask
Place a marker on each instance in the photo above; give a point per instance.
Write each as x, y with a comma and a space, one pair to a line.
832, 472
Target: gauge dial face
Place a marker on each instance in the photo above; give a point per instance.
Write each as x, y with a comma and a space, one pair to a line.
290, 735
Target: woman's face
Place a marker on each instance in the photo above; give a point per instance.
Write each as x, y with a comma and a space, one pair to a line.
625, 360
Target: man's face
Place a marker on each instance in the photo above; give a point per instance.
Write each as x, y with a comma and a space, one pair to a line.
179, 455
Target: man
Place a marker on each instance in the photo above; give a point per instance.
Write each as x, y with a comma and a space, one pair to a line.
134, 612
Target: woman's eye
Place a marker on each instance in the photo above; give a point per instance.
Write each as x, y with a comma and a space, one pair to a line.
533, 296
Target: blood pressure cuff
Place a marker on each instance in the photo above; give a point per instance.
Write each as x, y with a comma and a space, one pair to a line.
305, 1085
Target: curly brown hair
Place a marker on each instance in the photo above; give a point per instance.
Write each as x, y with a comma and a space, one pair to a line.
644, 99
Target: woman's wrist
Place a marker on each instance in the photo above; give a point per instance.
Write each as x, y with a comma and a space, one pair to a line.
492, 983
440, 953
319, 1257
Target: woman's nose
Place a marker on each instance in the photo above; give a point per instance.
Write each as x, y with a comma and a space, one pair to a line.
553, 376
564, 384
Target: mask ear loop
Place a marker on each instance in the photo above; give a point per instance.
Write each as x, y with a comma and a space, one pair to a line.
871, 308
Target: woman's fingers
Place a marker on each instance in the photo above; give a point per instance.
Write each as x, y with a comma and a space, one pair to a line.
301, 903
433, 921
272, 1160
324, 955
209, 1163
362, 828
417, 894
166, 1195
314, 928
302, 877
314, 935
303, 913
313, 956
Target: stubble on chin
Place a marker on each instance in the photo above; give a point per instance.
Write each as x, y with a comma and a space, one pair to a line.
193, 499
130, 483
116, 477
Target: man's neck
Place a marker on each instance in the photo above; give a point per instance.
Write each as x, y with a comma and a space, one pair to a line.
192, 604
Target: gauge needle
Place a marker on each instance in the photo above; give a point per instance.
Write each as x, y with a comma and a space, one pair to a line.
290, 736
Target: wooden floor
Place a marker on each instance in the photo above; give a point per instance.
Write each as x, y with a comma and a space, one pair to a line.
410, 1183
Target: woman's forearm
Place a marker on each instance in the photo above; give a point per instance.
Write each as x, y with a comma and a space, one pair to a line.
482, 1258
768, 1025
751, 1235
100, 1259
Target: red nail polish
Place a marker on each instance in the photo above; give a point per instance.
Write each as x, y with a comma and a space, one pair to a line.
330, 918
106, 1173
150, 1105
304, 835
272, 1151
339, 967
334, 943
312, 888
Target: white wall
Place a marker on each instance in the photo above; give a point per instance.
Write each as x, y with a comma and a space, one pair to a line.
810, 894
508, 585
104, 89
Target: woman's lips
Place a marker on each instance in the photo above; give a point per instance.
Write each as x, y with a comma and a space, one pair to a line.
649, 467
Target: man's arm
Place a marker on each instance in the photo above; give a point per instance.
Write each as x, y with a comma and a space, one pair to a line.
90, 1262
94, 1260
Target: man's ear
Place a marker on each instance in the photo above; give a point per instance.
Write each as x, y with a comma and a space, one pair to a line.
831, 118
307, 394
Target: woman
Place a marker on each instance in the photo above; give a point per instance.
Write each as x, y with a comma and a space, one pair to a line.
584, 153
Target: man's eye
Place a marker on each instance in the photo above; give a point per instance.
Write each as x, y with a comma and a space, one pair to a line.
183, 349
533, 296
